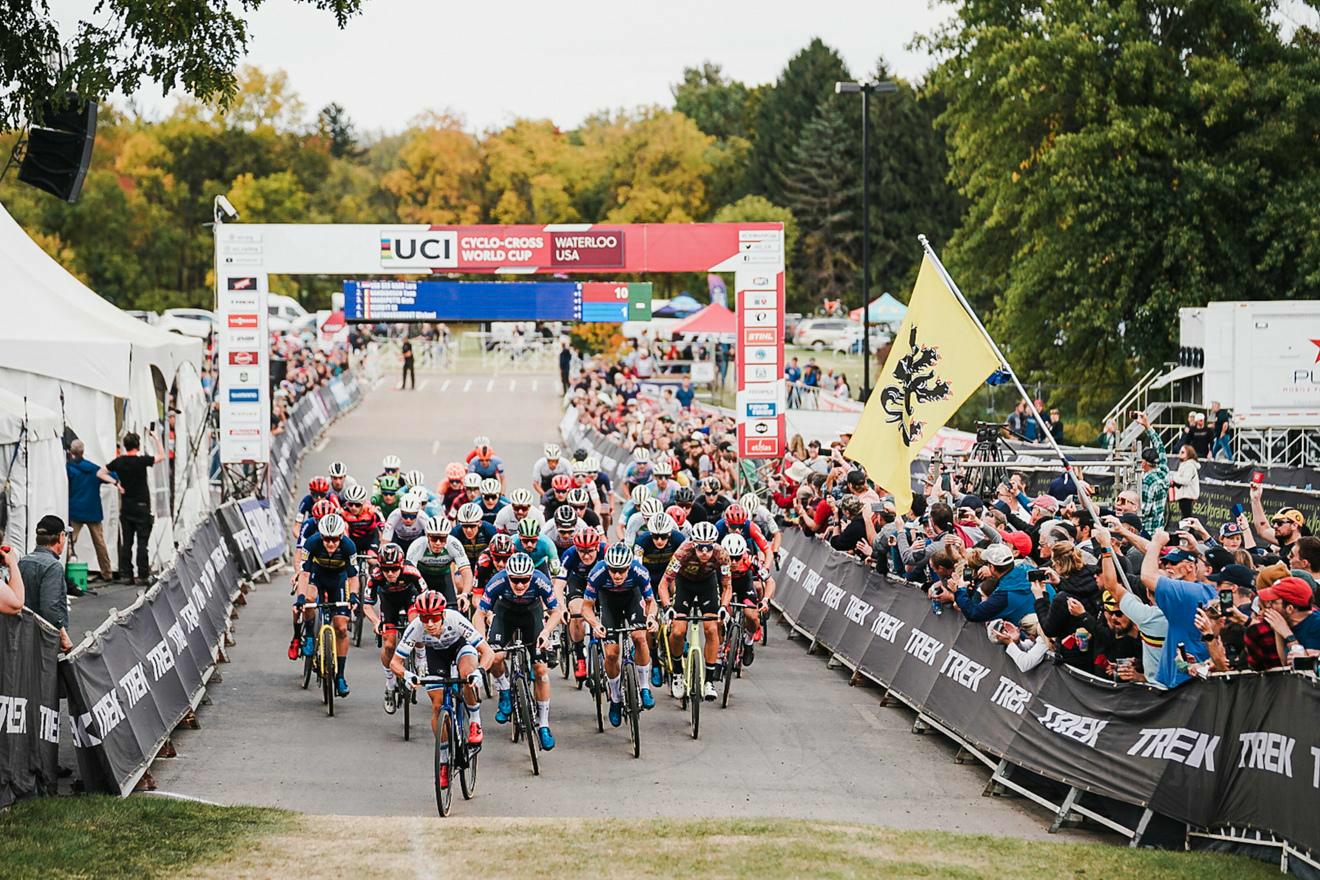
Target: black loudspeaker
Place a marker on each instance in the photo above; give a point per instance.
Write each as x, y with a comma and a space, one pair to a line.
279, 371
59, 148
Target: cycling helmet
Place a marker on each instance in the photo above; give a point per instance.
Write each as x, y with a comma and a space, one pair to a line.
490, 486
522, 498
639, 494
501, 545
552, 452
662, 468
389, 485
337, 469
421, 493
322, 508
581, 469
484, 451
677, 514
390, 556
565, 516
652, 506
593, 463
472, 481
561, 482
735, 545
661, 524
410, 505
586, 537
578, 497
580, 454
332, 526
618, 556
751, 502
711, 485
414, 478
735, 514
520, 566
480, 440
429, 605
529, 527
641, 454
684, 495
469, 514
356, 493
454, 471
318, 485
391, 463
704, 533
439, 525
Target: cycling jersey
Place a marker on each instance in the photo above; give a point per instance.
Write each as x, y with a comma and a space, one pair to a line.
305, 506
561, 538
500, 591
599, 581
749, 530
544, 555
385, 507
666, 495
475, 546
307, 530
490, 514
542, 473
655, 558
401, 532
765, 521
685, 564
637, 474
635, 524
703, 512
364, 529
454, 498
506, 520
485, 570
745, 579
408, 581
493, 467
329, 568
458, 630
549, 504
572, 566
437, 568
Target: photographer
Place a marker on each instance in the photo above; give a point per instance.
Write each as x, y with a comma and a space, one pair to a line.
852, 527
1011, 596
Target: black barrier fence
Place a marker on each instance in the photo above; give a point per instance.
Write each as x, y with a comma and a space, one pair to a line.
145, 668
29, 706
1237, 752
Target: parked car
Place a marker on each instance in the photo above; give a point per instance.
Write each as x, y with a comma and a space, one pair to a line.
821, 333
146, 317
283, 312
851, 342
187, 322
791, 321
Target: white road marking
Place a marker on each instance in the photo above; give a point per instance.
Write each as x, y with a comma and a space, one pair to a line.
425, 382
180, 797
490, 386
467, 386
435, 447
513, 383
445, 386
535, 383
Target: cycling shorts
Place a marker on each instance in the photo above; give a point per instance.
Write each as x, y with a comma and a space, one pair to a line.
697, 596
334, 593
574, 586
394, 606
443, 661
618, 608
517, 623
745, 591
443, 584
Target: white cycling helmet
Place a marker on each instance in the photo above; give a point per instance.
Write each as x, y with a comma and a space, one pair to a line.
469, 514
332, 525
734, 544
356, 493
522, 498
439, 525
641, 454
578, 495
415, 478
520, 566
618, 556
704, 533
472, 480
490, 486
410, 505
552, 452
480, 440
662, 468
651, 506
419, 492
337, 469
640, 494
581, 468
751, 502
662, 524
391, 463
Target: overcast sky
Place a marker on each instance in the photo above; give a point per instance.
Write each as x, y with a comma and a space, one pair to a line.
491, 62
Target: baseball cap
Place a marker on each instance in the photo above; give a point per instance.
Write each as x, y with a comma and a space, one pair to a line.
972, 501
1291, 513
997, 554
1150, 456
1229, 530
1047, 503
1019, 541
1238, 575
1292, 590
1177, 555
49, 526
1131, 520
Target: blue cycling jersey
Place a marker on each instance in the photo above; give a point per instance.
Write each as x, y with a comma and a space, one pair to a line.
492, 468
539, 590
600, 581
488, 514
571, 563
307, 531
329, 568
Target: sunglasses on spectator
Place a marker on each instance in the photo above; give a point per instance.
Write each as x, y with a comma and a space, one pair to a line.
1281, 521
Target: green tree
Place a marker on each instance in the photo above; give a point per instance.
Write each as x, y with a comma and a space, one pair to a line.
1121, 161
335, 126
720, 107
759, 209
658, 171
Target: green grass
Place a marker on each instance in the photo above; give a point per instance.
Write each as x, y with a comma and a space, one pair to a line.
96, 836
154, 837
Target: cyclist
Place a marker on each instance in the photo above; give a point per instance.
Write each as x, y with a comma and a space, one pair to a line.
561, 531
492, 502
512, 611
488, 465
597, 485
416, 483
536, 545
450, 642
520, 504
471, 491
364, 521
710, 506
622, 589
318, 489
386, 498
650, 507
477, 442
765, 521
474, 533
406, 524
752, 588
737, 522
571, 581
662, 485
443, 562
557, 496
547, 466
338, 474
654, 548
639, 472
632, 506
580, 501
492, 561
326, 573
697, 581
390, 466
394, 586
451, 487
683, 497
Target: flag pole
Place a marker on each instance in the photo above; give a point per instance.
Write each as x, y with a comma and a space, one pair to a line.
1007, 367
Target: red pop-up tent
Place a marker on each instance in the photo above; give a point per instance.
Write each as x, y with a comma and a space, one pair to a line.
713, 319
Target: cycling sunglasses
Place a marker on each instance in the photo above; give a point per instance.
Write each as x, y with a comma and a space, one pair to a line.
386, 569
431, 618
518, 508
353, 505
490, 496
328, 540
707, 547
407, 517
520, 581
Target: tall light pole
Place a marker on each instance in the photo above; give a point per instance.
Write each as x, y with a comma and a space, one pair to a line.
866, 89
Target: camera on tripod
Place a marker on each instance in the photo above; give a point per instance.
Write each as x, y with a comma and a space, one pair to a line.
988, 432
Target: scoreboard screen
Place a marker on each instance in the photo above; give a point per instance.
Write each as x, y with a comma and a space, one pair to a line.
587, 301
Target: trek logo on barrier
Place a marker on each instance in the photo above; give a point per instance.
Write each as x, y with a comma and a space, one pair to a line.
418, 249
1190, 747
1079, 727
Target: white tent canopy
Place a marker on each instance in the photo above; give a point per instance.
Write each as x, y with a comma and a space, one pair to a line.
31, 467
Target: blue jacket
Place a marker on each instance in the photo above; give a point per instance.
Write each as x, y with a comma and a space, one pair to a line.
1011, 599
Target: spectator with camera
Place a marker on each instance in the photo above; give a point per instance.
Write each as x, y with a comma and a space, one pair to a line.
1288, 607
1010, 597
1070, 617
1177, 580
1148, 619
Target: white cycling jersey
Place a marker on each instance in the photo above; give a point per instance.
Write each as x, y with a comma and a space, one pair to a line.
458, 630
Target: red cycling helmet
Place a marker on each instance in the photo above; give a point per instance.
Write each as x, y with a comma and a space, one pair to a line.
586, 537
561, 482
677, 514
735, 514
429, 605
391, 556
323, 507
318, 486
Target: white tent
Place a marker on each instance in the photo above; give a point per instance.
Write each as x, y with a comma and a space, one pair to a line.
32, 478
67, 349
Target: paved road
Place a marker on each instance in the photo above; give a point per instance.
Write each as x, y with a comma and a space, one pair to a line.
795, 740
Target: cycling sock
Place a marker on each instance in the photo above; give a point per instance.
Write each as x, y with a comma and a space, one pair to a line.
474, 712
502, 683
747, 638
542, 713
644, 676
339, 666
710, 672
580, 650
389, 679
612, 686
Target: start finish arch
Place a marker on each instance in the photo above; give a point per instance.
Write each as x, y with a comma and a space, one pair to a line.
246, 254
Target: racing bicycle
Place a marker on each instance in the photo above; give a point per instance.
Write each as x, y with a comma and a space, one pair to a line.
323, 660
453, 755
518, 663
632, 701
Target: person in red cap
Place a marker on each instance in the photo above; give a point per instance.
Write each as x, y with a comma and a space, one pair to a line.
1287, 607
1019, 541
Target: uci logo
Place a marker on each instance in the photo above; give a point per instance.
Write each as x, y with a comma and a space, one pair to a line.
418, 248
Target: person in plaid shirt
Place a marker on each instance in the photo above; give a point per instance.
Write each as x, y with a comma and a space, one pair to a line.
1154, 480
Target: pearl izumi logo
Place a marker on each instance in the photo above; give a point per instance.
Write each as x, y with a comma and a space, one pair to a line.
418, 248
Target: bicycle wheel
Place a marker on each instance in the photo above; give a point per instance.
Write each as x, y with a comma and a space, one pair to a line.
328, 670
597, 675
307, 667
525, 709
565, 650
466, 761
732, 658
444, 776
357, 627
696, 668
632, 704
405, 694
765, 627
